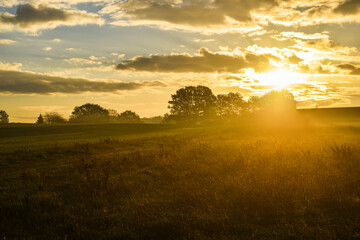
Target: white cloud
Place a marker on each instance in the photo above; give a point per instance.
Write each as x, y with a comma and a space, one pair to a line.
7, 41
81, 61
10, 66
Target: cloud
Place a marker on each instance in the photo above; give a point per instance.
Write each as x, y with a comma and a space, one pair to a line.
81, 61
210, 16
7, 41
11, 3
226, 89
316, 42
319, 56
118, 55
315, 13
349, 67
10, 66
295, 59
94, 58
348, 7
314, 56
205, 61
214, 16
204, 40
17, 82
196, 14
8, 3
300, 35
47, 49
31, 18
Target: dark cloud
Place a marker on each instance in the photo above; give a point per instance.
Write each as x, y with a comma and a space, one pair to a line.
295, 59
195, 12
353, 69
28, 16
348, 8
316, 69
32, 83
206, 61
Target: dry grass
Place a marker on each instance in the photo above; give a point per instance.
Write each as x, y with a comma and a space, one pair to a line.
218, 183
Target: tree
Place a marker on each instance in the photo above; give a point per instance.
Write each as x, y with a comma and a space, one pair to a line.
278, 102
129, 117
54, 117
113, 115
4, 117
40, 119
272, 103
89, 113
253, 104
230, 105
191, 104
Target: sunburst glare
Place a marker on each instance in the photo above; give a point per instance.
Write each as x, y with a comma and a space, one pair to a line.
279, 78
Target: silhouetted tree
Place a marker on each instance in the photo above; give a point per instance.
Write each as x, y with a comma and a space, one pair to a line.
54, 117
229, 105
129, 117
40, 119
89, 113
4, 117
278, 101
272, 103
253, 104
191, 104
113, 115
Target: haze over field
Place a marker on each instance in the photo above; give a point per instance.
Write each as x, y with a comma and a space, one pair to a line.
57, 54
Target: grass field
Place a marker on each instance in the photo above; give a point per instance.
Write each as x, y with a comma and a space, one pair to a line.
167, 182
17, 136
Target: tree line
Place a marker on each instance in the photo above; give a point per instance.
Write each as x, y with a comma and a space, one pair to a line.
91, 113
198, 104
191, 104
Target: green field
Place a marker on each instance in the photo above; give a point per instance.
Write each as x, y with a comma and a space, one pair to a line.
18, 136
148, 181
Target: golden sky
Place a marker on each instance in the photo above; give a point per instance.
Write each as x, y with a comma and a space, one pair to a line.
133, 54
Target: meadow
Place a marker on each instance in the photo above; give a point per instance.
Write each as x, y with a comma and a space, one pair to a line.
153, 181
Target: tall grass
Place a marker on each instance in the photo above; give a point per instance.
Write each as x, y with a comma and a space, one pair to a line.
229, 183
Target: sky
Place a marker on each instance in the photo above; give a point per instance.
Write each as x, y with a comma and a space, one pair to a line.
132, 55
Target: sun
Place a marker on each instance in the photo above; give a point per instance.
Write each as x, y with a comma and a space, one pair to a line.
280, 78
